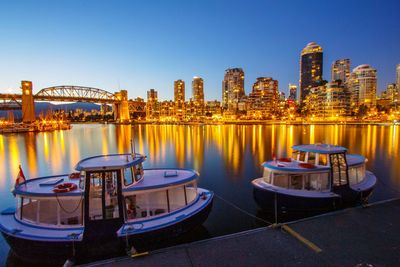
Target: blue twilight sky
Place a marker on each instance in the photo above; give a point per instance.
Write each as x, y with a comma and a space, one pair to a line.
138, 45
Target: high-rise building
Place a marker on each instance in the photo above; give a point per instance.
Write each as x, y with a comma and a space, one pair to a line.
398, 76
336, 100
362, 85
329, 101
340, 70
391, 93
292, 92
198, 96
232, 89
263, 100
179, 99
310, 68
152, 105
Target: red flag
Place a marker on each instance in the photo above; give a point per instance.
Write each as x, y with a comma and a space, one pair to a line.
20, 177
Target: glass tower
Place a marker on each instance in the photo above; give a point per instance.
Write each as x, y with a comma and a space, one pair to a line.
310, 68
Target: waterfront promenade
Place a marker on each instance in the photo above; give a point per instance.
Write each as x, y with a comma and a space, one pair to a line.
352, 237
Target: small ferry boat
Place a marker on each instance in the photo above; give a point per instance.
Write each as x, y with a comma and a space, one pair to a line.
111, 204
318, 178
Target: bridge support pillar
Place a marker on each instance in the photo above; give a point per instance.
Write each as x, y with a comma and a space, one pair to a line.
121, 109
28, 104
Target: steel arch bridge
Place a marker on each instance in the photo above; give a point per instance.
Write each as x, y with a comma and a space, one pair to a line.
76, 93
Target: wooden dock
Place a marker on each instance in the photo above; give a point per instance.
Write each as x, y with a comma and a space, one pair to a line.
362, 236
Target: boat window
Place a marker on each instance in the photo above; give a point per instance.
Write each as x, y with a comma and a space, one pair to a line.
82, 181
323, 160
131, 207
311, 158
353, 179
111, 196
158, 202
128, 176
176, 198
52, 211
191, 192
324, 180
281, 180
312, 182
296, 181
316, 181
70, 211
338, 169
95, 196
361, 173
29, 209
138, 172
295, 154
137, 206
267, 175
48, 211
302, 156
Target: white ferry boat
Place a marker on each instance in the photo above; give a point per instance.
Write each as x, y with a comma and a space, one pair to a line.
318, 178
111, 204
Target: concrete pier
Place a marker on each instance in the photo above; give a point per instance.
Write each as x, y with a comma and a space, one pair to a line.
351, 237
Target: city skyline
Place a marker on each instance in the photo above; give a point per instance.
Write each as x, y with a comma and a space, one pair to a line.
136, 46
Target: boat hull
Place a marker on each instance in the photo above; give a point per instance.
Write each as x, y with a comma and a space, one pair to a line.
267, 200
58, 252
296, 205
157, 238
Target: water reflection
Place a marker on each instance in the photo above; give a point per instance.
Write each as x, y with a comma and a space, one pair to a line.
227, 156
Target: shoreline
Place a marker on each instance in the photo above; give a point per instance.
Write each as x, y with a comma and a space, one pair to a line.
258, 123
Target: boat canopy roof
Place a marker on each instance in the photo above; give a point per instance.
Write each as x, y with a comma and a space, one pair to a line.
107, 162
320, 148
43, 186
160, 178
295, 166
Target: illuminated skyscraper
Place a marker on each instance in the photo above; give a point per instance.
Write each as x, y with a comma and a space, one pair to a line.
263, 100
310, 68
362, 85
198, 95
292, 92
340, 70
152, 105
232, 89
398, 76
179, 98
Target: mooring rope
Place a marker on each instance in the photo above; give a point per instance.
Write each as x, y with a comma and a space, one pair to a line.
242, 210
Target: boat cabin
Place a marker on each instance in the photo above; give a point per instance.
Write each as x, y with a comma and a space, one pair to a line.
318, 167
112, 188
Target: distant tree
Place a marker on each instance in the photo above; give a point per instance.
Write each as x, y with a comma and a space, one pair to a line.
381, 108
362, 111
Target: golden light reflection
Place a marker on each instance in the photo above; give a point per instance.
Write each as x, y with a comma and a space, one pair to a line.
14, 158
229, 147
312, 134
46, 146
31, 153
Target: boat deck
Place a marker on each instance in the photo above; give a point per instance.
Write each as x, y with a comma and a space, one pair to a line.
345, 238
43, 186
157, 178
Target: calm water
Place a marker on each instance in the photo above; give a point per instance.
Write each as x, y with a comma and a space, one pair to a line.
228, 157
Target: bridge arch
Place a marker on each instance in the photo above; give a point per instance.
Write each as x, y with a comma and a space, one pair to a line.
70, 92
